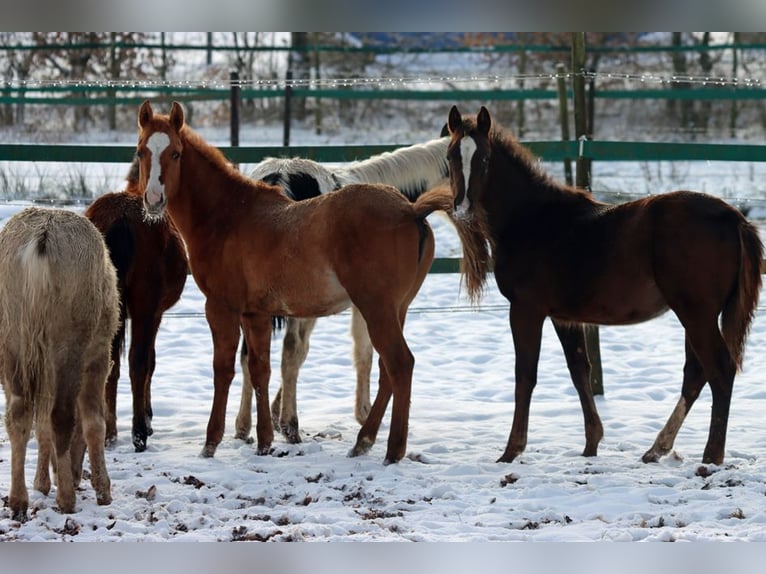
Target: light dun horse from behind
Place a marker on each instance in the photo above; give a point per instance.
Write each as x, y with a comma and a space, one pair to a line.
58, 313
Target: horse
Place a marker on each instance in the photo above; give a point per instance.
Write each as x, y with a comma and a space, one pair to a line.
561, 254
256, 254
150, 259
413, 170
58, 310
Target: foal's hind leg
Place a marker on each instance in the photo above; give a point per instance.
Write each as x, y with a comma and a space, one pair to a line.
572, 339
91, 430
694, 380
18, 421
362, 352
710, 350
396, 366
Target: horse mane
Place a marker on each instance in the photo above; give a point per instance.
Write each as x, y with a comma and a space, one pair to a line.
545, 186
410, 169
219, 161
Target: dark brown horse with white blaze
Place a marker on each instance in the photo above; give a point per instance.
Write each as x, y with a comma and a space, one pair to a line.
256, 254
150, 259
558, 253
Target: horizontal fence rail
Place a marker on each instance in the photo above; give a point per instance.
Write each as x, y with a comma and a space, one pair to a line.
545, 150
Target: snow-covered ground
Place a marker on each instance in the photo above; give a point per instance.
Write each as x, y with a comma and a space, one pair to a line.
448, 488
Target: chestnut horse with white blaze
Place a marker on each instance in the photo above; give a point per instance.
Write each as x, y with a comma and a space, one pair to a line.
256, 254
561, 254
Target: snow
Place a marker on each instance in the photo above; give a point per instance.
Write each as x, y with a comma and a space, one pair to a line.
448, 488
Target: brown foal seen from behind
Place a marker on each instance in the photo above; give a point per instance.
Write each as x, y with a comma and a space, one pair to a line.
150, 259
256, 254
561, 254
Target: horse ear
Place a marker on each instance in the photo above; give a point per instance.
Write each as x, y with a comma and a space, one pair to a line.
177, 116
145, 114
445, 131
455, 121
483, 121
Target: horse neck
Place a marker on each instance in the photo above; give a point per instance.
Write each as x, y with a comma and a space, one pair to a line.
206, 189
413, 170
517, 186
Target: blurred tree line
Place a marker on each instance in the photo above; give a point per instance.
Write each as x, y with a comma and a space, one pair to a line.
69, 57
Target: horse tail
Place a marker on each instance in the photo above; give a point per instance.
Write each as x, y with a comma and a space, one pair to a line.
121, 244
34, 309
739, 309
474, 236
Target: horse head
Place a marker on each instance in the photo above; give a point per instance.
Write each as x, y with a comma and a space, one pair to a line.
468, 156
158, 153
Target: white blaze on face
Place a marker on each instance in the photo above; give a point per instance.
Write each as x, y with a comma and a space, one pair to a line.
155, 191
467, 149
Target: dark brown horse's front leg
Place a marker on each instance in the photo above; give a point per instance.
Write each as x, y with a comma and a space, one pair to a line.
527, 331
572, 337
257, 329
224, 327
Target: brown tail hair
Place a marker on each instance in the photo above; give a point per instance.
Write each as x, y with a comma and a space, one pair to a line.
740, 308
474, 237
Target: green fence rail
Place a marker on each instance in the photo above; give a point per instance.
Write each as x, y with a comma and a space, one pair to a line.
545, 150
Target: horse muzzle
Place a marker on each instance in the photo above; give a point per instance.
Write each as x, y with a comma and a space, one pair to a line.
155, 202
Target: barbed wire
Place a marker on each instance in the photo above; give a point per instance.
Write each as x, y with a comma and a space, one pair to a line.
220, 83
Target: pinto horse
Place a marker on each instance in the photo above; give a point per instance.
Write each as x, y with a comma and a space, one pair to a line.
255, 254
58, 312
151, 264
558, 253
413, 170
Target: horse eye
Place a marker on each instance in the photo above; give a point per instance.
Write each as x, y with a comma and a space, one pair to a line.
175, 155
139, 154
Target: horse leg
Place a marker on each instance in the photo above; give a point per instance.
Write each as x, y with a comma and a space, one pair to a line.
362, 352
396, 366
694, 380
144, 327
42, 481
527, 329
224, 328
244, 421
91, 430
63, 422
18, 422
369, 431
572, 339
257, 330
110, 394
295, 348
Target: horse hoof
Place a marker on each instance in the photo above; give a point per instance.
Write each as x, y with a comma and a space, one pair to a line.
208, 451
291, 433
362, 446
104, 499
244, 436
139, 444
20, 515
110, 441
264, 450
507, 458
